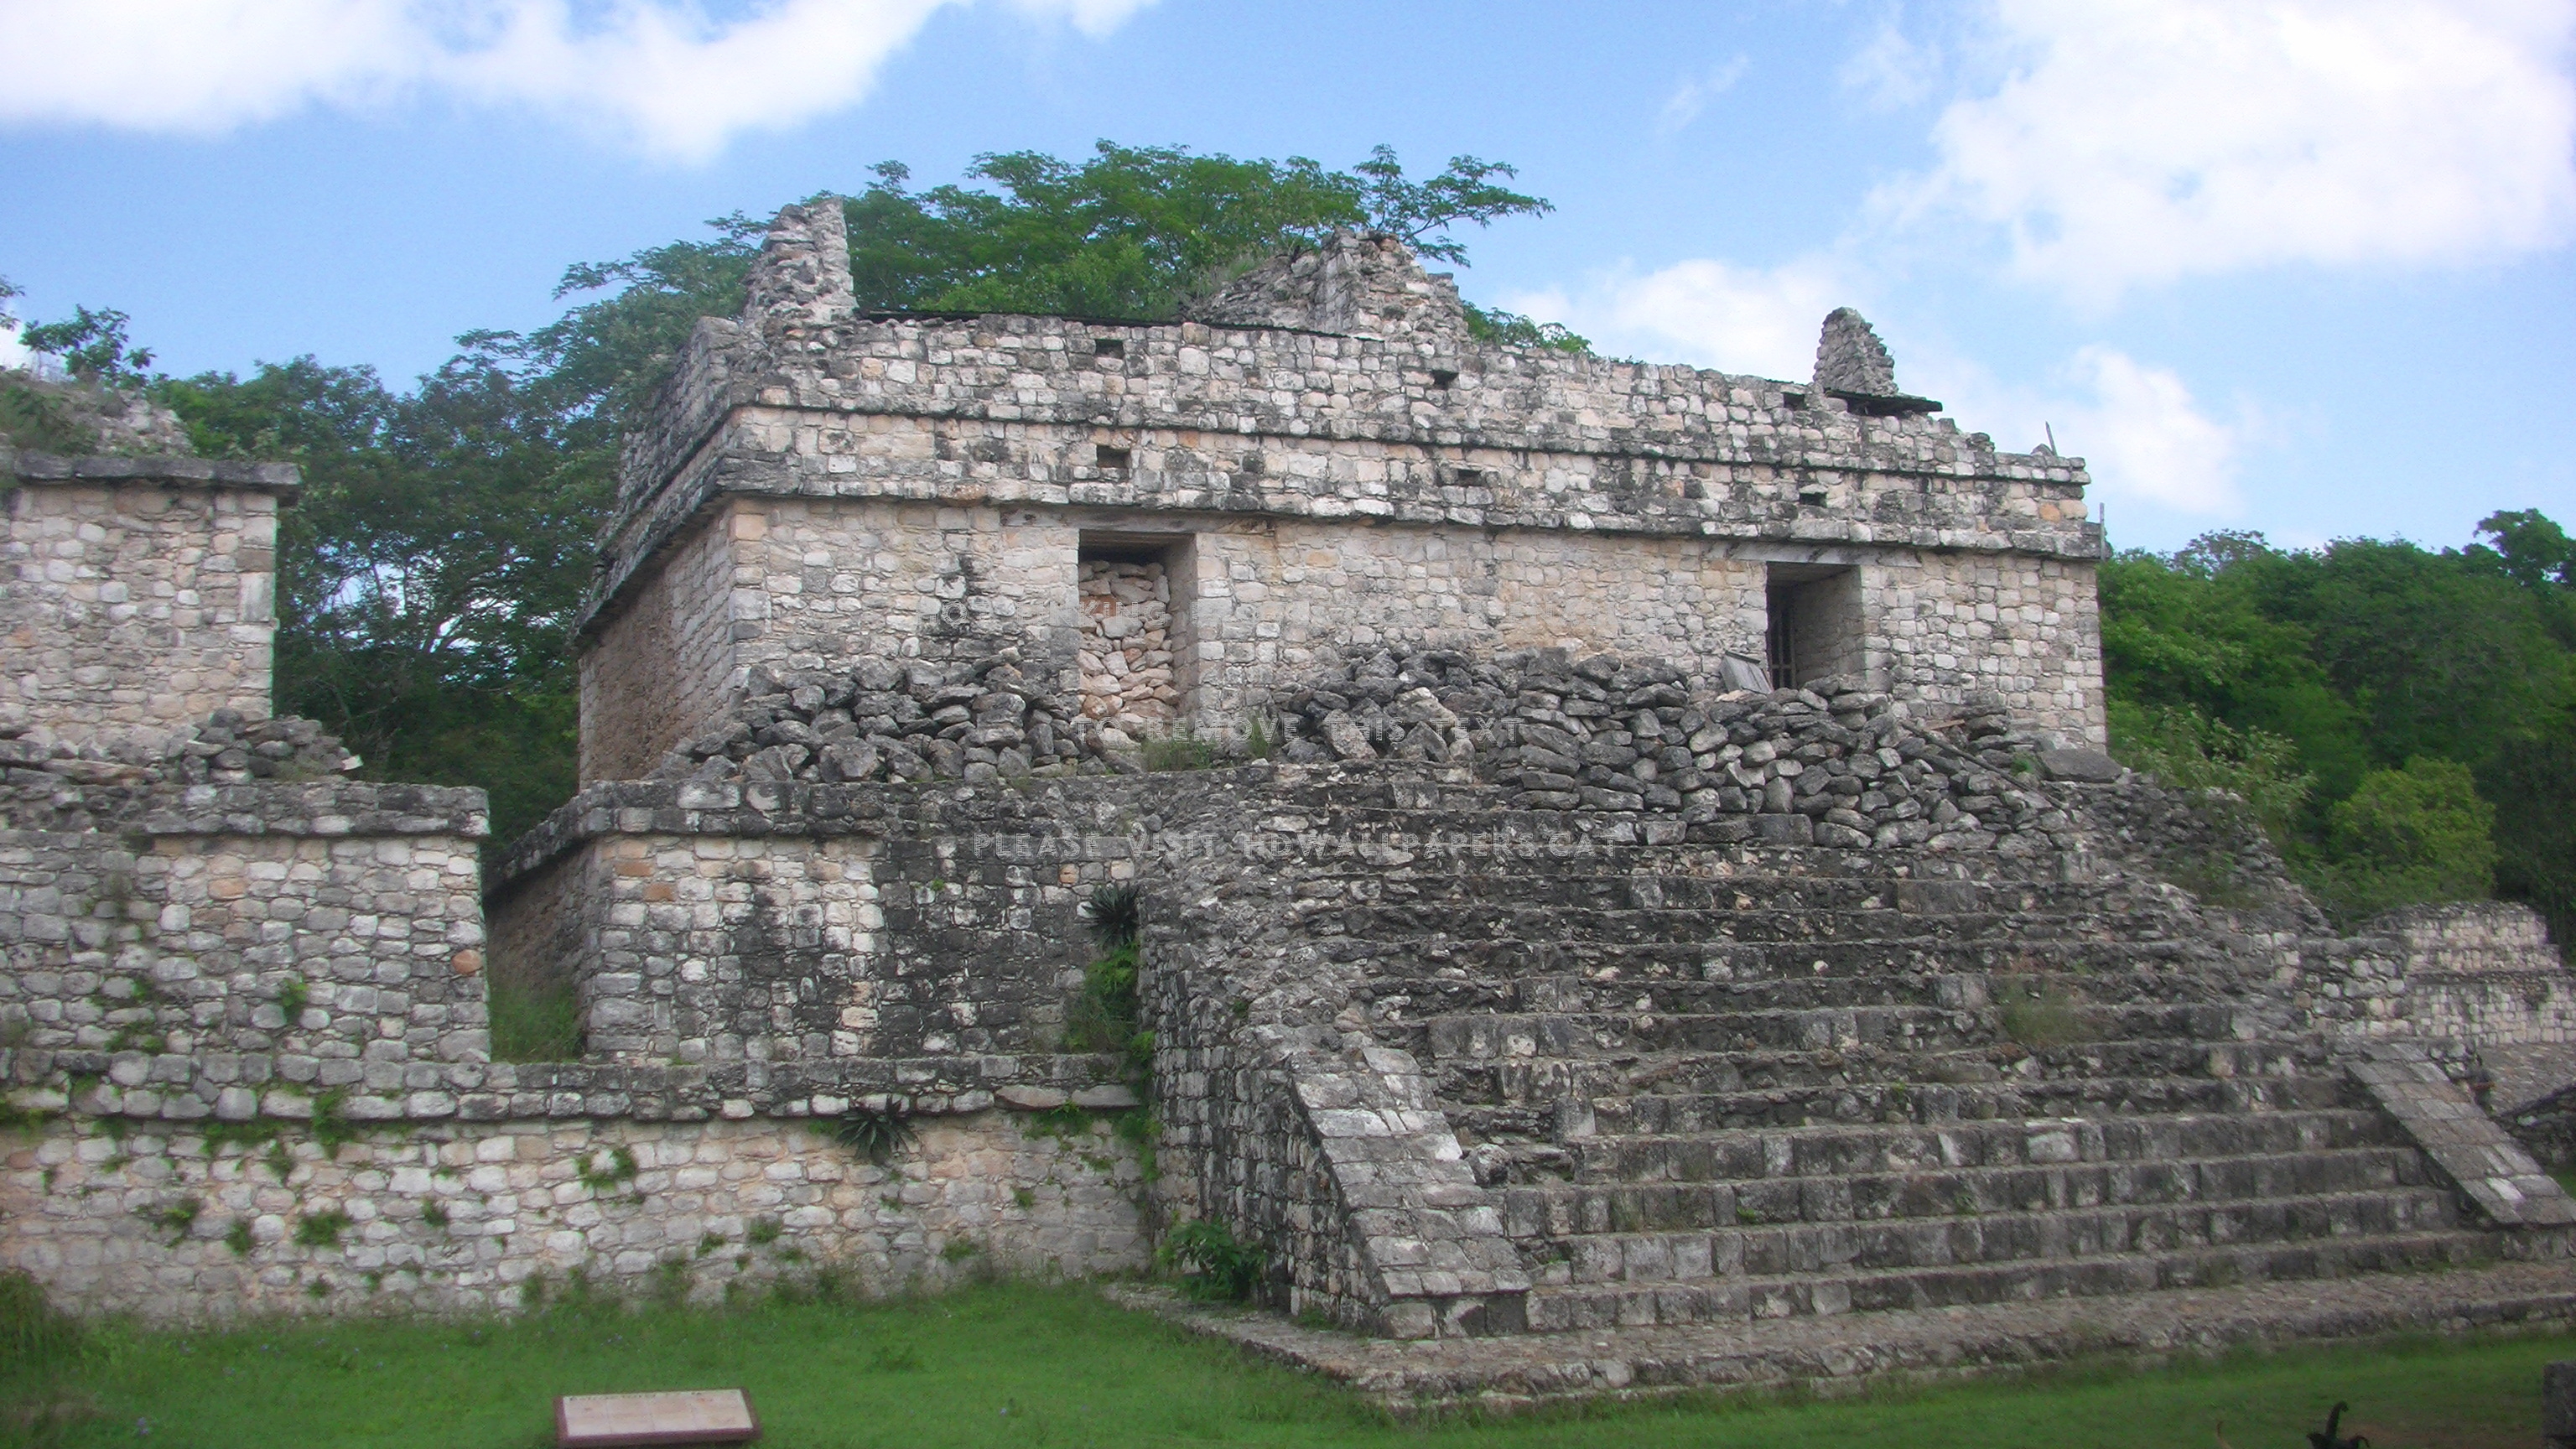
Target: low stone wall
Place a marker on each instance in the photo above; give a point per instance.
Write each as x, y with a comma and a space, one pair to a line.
336, 930
2481, 972
176, 1224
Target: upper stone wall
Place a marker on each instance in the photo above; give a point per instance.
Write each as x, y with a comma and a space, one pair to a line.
137, 595
806, 396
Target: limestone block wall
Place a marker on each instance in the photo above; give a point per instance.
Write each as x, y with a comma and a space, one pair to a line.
686, 949
137, 595
726, 923
801, 584
163, 1222
335, 931
2020, 632
2480, 973
667, 659
1276, 607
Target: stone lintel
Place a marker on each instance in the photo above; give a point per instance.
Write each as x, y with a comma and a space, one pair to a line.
284, 481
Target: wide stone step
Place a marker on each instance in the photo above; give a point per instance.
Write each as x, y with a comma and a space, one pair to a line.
1567, 1209
1487, 1036
2021, 1141
1649, 889
1721, 961
1539, 921
1782, 1250
1541, 1115
1549, 1078
1421, 990
1937, 1191
1549, 978
1589, 1306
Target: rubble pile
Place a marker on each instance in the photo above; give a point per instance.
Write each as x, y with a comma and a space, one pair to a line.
1602, 733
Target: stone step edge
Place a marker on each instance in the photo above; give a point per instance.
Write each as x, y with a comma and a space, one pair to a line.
2430, 1195
1960, 1175
1843, 1353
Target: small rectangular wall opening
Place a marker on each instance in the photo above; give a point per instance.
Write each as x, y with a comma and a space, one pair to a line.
1815, 623
1131, 631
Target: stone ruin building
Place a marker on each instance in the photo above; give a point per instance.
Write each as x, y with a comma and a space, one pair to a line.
1652, 863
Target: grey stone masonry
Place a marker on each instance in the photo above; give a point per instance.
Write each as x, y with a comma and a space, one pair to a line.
1336, 462
336, 930
137, 595
2474, 1152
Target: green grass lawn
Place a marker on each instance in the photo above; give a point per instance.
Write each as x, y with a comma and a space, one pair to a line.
1019, 1364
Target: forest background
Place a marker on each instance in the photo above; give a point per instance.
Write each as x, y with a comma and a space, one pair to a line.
2401, 719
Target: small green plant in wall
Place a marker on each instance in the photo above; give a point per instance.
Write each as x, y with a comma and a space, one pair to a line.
292, 998
879, 1137
1104, 1017
174, 1218
605, 1172
238, 1237
323, 1229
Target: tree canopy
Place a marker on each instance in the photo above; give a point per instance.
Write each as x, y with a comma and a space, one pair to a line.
2396, 691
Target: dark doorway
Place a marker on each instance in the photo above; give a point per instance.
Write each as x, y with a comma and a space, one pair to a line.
1815, 623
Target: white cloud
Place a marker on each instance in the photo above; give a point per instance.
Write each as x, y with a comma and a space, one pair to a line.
1692, 97
1757, 320
2136, 141
661, 74
2141, 433
1892, 71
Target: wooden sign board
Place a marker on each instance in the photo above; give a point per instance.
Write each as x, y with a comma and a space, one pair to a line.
611, 1421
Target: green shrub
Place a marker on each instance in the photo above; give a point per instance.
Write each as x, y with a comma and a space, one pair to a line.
2040, 1017
876, 1136
1105, 1017
1180, 750
2406, 837
1218, 1267
2188, 750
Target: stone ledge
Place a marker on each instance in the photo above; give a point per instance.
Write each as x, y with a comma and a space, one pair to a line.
323, 808
182, 1088
1843, 1353
285, 480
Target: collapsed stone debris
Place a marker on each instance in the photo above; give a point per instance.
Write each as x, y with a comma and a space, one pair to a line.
223, 749
1834, 762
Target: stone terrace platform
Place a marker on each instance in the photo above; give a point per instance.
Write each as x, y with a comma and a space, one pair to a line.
1844, 1353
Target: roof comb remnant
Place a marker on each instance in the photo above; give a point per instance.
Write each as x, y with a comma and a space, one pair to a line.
1852, 364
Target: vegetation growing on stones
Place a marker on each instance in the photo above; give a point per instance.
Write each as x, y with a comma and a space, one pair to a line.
1104, 1018
322, 1229
878, 1136
1214, 1264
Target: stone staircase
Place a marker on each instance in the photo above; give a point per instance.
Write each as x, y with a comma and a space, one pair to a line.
1707, 1083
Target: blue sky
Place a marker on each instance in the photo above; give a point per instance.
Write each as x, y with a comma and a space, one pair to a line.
2302, 266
